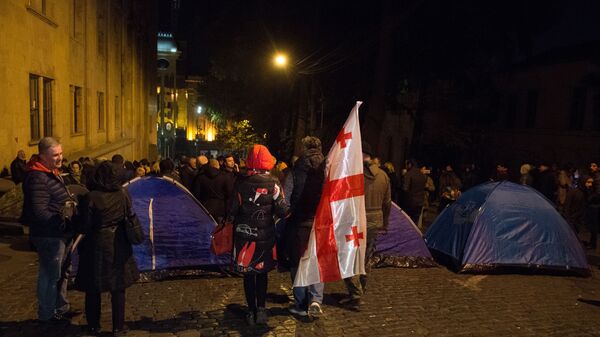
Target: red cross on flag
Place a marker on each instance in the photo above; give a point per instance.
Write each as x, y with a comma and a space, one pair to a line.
337, 243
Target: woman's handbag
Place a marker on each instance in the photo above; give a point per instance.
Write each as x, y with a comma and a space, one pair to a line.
221, 240
133, 228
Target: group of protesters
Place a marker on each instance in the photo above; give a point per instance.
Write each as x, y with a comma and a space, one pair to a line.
250, 194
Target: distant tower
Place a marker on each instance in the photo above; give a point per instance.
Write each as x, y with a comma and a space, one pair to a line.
167, 93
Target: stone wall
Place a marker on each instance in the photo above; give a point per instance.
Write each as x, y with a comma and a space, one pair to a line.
107, 48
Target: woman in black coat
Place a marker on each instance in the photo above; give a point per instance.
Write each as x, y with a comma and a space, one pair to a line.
106, 256
257, 198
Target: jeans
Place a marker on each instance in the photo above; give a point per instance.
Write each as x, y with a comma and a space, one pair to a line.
357, 284
52, 283
304, 296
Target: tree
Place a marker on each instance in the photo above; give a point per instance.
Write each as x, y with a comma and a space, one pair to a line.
239, 136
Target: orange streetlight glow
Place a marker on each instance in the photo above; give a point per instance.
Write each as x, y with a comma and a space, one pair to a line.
280, 60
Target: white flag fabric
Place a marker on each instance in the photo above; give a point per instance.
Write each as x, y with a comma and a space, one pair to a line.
337, 243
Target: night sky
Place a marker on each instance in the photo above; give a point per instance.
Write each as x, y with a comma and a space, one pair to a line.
337, 43
339, 28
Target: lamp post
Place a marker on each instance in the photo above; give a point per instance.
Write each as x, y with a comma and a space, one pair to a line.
305, 120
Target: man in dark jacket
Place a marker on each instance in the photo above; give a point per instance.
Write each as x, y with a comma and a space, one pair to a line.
17, 167
308, 176
230, 170
378, 203
595, 174
188, 172
545, 182
212, 189
48, 209
413, 187
575, 203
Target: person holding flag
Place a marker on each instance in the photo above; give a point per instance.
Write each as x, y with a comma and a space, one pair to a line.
338, 240
308, 176
378, 203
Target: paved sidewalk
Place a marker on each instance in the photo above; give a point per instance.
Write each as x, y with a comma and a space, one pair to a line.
400, 302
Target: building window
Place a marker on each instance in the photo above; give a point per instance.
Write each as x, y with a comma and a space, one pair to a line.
77, 109
578, 108
532, 102
117, 113
77, 19
34, 108
48, 101
101, 112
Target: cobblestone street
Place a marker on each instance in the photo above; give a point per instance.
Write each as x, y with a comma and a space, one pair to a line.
400, 302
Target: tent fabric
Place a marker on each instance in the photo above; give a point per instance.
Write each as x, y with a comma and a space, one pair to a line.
176, 226
402, 244
502, 225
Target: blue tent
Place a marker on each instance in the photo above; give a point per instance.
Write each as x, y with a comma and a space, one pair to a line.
499, 226
176, 226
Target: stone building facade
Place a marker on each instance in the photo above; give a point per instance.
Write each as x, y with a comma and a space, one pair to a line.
551, 109
82, 71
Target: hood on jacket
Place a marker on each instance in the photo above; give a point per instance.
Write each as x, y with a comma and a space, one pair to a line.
259, 158
35, 164
311, 159
106, 177
370, 170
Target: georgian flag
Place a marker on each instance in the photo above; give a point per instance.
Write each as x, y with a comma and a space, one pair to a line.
337, 243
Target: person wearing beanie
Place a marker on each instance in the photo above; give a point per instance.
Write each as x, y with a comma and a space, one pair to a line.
257, 197
306, 186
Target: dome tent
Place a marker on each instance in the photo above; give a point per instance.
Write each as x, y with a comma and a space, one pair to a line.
177, 228
401, 245
501, 226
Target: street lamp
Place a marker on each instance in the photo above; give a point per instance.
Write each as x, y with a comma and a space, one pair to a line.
280, 60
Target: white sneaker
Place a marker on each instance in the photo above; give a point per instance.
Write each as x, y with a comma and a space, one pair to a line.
315, 310
294, 310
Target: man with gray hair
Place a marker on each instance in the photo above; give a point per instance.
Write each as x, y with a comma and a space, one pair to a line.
48, 208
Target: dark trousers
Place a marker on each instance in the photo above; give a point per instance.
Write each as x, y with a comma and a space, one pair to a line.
255, 288
593, 228
93, 301
357, 284
414, 213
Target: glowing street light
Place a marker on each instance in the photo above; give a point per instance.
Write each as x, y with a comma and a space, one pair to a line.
280, 60
199, 109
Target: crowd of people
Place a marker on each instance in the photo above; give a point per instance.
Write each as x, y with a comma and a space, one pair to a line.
575, 193
251, 194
